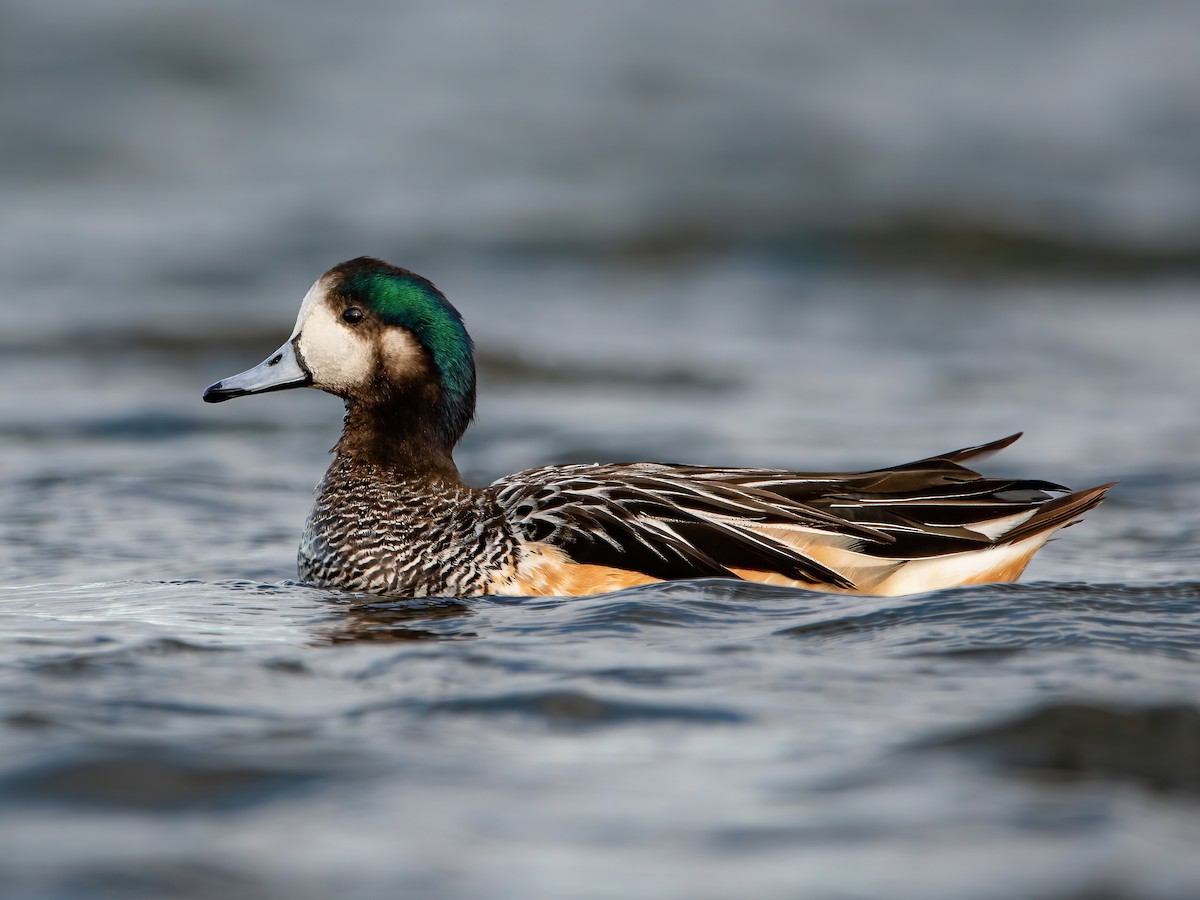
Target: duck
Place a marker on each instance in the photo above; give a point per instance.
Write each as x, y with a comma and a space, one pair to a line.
393, 517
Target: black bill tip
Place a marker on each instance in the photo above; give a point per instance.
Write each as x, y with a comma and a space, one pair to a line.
215, 393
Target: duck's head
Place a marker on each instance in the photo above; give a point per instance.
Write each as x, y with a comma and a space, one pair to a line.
378, 336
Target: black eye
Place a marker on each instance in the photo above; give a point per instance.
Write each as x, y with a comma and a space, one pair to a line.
353, 315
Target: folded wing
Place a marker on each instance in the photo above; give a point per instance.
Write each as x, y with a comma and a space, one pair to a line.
916, 526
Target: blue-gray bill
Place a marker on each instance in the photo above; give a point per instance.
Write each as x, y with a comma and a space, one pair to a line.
280, 371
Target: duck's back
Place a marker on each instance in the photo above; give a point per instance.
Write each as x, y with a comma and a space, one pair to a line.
916, 527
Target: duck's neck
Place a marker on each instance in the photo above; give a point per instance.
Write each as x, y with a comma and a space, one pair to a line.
399, 438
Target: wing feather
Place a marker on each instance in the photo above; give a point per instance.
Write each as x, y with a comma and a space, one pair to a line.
674, 521
648, 518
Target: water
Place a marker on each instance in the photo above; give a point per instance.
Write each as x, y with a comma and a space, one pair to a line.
711, 260
236, 739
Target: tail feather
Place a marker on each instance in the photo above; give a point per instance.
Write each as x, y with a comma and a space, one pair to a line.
1058, 513
980, 451
951, 526
977, 452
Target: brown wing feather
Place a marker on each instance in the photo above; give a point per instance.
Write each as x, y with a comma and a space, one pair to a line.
665, 522
655, 519
1059, 513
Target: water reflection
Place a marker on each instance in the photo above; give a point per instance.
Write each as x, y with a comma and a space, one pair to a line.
398, 620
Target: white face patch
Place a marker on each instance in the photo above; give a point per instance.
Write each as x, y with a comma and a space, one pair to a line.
341, 357
338, 358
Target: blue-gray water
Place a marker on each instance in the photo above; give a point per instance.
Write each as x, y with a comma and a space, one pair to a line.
822, 235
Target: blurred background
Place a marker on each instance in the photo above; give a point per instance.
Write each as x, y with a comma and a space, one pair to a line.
825, 234
817, 235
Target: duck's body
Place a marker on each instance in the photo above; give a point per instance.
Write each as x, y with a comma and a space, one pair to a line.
393, 517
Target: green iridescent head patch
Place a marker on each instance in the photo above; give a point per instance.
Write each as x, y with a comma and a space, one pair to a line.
403, 298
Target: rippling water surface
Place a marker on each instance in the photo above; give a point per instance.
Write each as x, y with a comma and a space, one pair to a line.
693, 265
186, 738
182, 720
